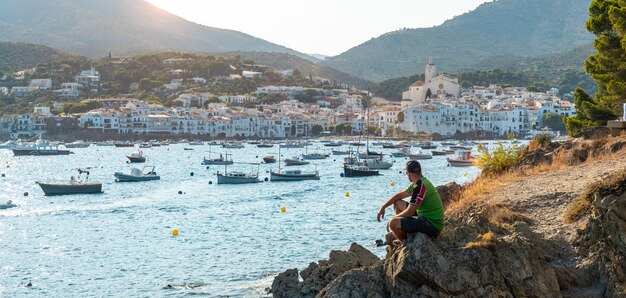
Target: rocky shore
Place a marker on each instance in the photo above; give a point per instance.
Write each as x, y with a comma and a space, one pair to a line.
554, 226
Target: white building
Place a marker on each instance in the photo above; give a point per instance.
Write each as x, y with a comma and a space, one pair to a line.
251, 74
44, 111
44, 84
434, 86
193, 99
69, 90
237, 98
90, 79
21, 91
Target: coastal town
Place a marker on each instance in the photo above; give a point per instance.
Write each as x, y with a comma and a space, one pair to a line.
436, 106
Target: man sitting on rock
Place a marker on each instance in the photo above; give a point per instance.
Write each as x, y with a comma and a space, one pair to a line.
423, 213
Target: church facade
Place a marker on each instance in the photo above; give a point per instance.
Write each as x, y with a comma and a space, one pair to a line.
434, 86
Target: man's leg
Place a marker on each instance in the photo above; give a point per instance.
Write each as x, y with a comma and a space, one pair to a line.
399, 206
396, 228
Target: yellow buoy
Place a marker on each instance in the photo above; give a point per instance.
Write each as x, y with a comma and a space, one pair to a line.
392, 184
347, 193
465, 175
175, 232
283, 209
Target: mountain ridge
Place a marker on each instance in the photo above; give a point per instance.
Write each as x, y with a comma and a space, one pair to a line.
120, 26
503, 27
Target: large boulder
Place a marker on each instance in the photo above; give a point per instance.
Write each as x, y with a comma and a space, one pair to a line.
449, 192
317, 276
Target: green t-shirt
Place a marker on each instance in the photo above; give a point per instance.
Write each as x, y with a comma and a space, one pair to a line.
425, 196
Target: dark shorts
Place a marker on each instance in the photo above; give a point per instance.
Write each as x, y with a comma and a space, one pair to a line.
418, 224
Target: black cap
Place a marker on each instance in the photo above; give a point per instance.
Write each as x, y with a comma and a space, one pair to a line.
413, 166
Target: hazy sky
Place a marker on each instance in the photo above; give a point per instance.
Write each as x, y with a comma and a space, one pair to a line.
327, 27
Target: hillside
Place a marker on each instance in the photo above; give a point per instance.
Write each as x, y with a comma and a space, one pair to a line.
17, 56
306, 67
94, 28
506, 28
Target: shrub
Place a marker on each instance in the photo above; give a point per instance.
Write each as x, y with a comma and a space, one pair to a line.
539, 141
500, 159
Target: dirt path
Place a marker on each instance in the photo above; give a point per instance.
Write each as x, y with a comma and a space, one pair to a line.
544, 197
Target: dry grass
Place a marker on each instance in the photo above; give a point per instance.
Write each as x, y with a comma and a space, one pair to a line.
582, 204
487, 240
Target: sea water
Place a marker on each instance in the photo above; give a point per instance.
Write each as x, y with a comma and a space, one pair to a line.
232, 238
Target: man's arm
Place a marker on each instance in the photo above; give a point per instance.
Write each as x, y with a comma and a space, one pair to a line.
417, 197
399, 196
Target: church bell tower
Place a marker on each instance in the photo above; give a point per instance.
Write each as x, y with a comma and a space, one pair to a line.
430, 72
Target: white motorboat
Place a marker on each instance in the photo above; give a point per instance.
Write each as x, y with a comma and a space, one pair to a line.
296, 161
420, 155
292, 145
40, 148
217, 161
340, 152
196, 143
402, 152
136, 175
77, 144
293, 175
234, 145
463, 158
72, 186
236, 177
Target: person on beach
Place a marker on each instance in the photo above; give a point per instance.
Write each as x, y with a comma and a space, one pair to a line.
424, 213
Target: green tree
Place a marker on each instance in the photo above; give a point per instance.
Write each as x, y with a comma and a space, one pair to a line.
607, 21
401, 117
317, 129
554, 121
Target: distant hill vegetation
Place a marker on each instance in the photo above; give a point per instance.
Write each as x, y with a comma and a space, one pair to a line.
306, 67
95, 27
16, 56
503, 28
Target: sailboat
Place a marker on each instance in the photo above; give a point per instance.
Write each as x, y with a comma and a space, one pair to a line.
353, 167
216, 161
292, 175
237, 177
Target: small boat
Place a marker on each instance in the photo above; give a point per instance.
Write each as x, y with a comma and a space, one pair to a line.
448, 143
237, 178
403, 152
269, 159
213, 143
354, 170
233, 145
77, 144
332, 144
136, 175
292, 145
136, 157
217, 161
196, 143
357, 144
314, 156
389, 145
293, 175
420, 155
339, 152
370, 155
254, 142
265, 145
145, 145
442, 152
463, 158
187, 149
124, 145
427, 145
40, 148
105, 144
370, 163
7, 205
295, 161
71, 187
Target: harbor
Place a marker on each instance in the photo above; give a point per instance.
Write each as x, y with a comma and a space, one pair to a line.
131, 223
